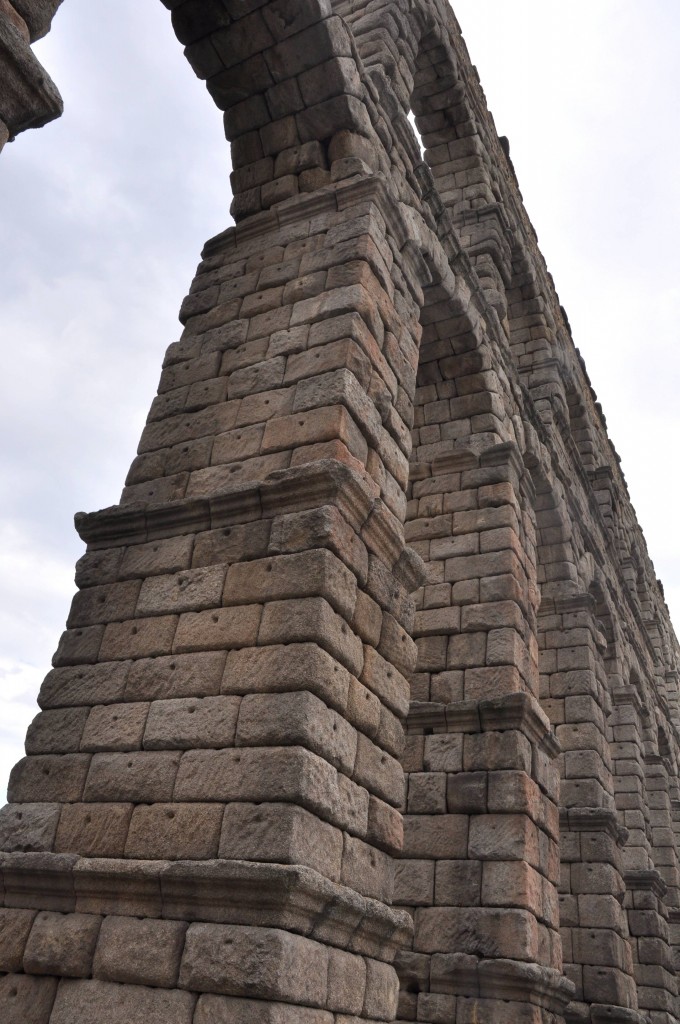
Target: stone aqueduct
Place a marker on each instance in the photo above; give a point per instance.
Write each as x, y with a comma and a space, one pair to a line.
368, 676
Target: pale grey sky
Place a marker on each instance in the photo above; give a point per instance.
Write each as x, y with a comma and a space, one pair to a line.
103, 215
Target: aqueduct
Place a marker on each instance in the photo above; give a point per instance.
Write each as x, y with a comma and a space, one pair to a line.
367, 705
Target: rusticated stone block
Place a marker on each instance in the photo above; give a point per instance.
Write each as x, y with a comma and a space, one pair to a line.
181, 675
513, 884
282, 668
273, 774
100, 1002
220, 629
79, 646
137, 951
115, 727
85, 685
62, 944
481, 931
232, 544
390, 735
239, 961
299, 719
367, 619
503, 837
96, 567
312, 620
26, 1000
414, 883
367, 870
169, 555
56, 732
140, 777
363, 708
174, 832
466, 793
213, 1009
607, 983
28, 827
346, 981
308, 574
15, 926
458, 883
378, 772
138, 638
514, 791
112, 602
443, 753
396, 645
192, 722
385, 826
437, 1008
282, 834
497, 750
381, 676
435, 836
323, 527
189, 590
426, 793
382, 990
93, 830
48, 777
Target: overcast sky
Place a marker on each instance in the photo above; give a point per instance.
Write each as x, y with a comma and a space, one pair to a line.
104, 212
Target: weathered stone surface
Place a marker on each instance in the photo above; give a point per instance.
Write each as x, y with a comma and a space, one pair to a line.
62, 944
139, 952
139, 776
15, 926
49, 777
30, 98
191, 722
242, 961
26, 1000
375, 514
225, 1010
283, 834
93, 830
28, 827
195, 675
174, 832
117, 727
100, 1002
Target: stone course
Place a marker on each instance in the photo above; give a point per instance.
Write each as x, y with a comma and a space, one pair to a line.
367, 704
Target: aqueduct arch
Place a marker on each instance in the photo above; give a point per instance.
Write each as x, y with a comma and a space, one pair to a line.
358, 543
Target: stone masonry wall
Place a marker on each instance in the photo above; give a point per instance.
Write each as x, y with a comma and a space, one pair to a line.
28, 97
367, 705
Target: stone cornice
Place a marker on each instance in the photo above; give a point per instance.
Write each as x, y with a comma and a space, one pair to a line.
284, 491
310, 204
293, 898
299, 489
593, 819
648, 881
516, 711
512, 980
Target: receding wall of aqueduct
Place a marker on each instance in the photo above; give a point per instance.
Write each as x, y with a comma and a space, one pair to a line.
367, 705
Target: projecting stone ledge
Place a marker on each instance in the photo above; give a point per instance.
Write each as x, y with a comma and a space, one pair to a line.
242, 893
28, 97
